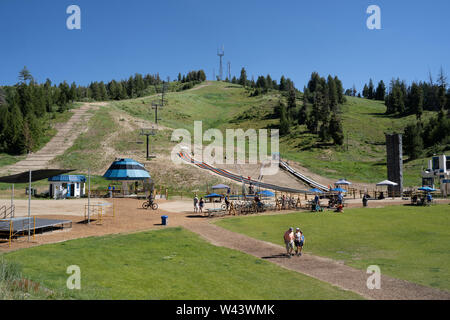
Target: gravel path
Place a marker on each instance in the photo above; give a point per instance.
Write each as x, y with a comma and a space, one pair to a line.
324, 269
64, 138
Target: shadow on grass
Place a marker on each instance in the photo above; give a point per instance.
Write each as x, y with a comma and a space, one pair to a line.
276, 256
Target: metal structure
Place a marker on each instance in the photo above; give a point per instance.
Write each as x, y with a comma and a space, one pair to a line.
394, 162
14, 227
229, 70
156, 105
221, 53
147, 133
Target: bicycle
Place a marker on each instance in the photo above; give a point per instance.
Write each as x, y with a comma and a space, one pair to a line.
152, 205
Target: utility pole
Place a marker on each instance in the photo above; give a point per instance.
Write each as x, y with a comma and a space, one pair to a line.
147, 133
220, 53
156, 105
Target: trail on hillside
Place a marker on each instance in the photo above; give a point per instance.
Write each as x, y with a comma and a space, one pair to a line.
64, 139
323, 269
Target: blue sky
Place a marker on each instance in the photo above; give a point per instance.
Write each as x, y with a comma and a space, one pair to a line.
291, 37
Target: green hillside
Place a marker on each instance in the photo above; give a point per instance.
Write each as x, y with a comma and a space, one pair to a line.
221, 105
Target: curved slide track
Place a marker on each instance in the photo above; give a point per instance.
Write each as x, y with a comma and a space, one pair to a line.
305, 179
235, 177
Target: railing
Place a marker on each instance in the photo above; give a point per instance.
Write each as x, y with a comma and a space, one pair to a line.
7, 212
302, 177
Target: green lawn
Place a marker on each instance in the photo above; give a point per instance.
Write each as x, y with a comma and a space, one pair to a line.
165, 264
410, 243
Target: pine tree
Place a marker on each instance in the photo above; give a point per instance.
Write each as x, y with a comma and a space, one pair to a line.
291, 104
335, 130
381, 91
14, 133
412, 140
243, 77
416, 100
283, 85
25, 75
339, 90
284, 120
365, 92
332, 94
370, 92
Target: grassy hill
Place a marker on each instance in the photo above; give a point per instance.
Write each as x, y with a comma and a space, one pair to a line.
362, 158
114, 131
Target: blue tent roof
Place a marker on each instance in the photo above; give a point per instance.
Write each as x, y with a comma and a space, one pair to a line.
213, 195
426, 189
339, 190
126, 169
68, 178
267, 193
315, 190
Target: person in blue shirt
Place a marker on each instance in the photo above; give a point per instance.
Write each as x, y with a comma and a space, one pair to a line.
340, 198
299, 240
429, 197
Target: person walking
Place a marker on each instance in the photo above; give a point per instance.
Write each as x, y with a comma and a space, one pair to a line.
299, 241
195, 203
289, 241
201, 204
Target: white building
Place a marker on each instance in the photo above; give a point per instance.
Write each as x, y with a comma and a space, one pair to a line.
67, 186
438, 171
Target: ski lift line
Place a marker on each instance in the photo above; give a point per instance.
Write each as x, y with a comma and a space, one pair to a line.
300, 176
232, 176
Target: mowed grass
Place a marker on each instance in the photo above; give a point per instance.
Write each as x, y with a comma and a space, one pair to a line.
409, 243
165, 264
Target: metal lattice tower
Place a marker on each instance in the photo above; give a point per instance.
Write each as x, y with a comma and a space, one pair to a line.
221, 53
160, 105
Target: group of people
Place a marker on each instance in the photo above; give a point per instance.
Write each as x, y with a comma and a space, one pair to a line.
422, 200
294, 241
198, 204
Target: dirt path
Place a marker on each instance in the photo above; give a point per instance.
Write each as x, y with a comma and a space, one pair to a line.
324, 269
63, 140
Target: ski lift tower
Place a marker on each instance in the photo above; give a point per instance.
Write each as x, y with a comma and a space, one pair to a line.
148, 132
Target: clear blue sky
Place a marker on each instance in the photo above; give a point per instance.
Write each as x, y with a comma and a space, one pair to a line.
292, 37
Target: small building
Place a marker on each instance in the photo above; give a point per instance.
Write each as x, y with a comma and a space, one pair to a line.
67, 186
438, 172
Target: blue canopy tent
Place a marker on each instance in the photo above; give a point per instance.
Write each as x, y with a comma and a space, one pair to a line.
339, 190
315, 190
428, 189
266, 193
211, 196
127, 170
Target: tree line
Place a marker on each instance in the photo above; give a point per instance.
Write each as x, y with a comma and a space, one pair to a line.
263, 83
25, 107
320, 110
432, 135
